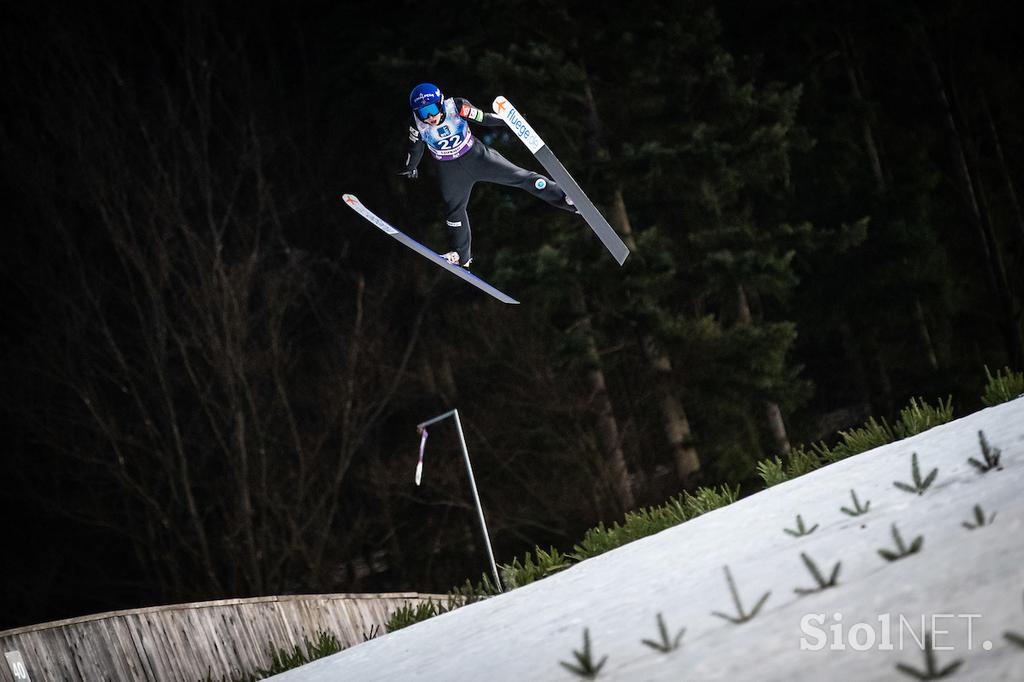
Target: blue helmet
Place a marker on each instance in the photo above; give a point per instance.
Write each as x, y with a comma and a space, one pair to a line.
426, 100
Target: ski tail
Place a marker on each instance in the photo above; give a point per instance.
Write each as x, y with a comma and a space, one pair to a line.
353, 202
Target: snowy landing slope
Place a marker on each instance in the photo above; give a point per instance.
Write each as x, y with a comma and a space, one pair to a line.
967, 585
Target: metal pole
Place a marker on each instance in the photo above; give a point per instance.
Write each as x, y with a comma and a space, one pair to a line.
476, 499
420, 427
472, 486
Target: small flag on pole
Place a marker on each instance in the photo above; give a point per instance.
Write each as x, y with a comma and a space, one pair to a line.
419, 464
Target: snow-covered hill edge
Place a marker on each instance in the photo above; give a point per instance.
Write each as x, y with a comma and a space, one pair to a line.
966, 585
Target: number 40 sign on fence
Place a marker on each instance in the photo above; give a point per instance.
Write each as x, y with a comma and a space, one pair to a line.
17, 666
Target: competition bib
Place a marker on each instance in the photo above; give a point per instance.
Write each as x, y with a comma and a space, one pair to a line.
451, 138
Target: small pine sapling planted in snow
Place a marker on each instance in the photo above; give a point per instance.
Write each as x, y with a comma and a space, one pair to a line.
801, 529
742, 616
920, 485
931, 669
1014, 638
585, 666
666, 644
901, 549
989, 454
857, 508
818, 576
979, 519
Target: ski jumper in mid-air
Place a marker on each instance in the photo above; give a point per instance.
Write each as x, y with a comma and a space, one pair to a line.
441, 125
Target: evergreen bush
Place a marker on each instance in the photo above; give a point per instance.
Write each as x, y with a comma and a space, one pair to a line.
799, 462
324, 643
772, 471
598, 540
915, 418
470, 592
650, 520
803, 461
872, 435
708, 499
1003, 387
522, 573
409, 614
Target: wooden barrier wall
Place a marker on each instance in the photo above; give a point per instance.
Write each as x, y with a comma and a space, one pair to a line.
187, 642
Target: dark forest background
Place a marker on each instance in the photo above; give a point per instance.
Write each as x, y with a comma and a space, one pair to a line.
212, 369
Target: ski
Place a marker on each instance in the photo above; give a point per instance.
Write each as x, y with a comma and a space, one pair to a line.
357, 206
515, 120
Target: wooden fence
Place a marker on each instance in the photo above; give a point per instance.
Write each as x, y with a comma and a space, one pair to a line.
188, 642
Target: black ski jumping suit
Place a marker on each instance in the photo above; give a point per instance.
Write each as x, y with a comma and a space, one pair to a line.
465, 160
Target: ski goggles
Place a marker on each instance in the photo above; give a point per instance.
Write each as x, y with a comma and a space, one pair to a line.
432, 109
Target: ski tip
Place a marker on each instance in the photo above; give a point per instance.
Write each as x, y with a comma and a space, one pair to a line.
500, 104
350, 199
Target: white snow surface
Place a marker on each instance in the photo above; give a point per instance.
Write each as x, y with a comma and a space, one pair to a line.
968, 585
